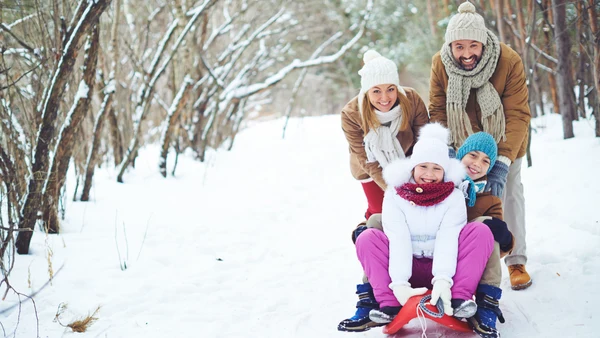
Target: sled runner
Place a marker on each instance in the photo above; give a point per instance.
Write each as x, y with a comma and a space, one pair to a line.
419, 306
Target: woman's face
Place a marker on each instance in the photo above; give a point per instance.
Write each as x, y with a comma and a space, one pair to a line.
477, 164
383, 97
428, 172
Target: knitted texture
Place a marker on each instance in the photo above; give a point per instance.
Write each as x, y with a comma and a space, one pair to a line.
425, 195
497, 178
461, 81
483, 142
466, 25
377, 70
381, 144
432, 146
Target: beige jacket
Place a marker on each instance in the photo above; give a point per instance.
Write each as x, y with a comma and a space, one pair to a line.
509, 81
352, 126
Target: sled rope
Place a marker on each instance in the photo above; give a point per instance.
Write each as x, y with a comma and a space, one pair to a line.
424, 308
422, 321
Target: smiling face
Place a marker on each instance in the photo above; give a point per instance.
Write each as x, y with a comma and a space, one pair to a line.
383, 97
467, 53
477, 164
428, 172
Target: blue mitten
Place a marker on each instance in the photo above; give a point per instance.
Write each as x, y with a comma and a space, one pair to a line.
451, 152
496, 178
501, 233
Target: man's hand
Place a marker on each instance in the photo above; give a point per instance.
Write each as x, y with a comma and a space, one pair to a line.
497, 179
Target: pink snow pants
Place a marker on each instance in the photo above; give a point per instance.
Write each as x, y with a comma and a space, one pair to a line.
475, 245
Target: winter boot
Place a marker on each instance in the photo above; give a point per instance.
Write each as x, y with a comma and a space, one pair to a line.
464, 308
484, 321
366, 302
384, 315
519, 278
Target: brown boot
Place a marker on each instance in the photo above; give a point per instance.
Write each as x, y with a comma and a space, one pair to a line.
519, 278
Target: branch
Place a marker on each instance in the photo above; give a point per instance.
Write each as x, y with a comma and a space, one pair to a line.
21, 42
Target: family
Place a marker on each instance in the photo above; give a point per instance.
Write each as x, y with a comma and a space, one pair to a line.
443, 184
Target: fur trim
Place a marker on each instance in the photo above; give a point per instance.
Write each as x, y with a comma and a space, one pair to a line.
398, 172
455, 172
435, 130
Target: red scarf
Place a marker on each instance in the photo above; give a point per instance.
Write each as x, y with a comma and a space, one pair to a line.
427, 194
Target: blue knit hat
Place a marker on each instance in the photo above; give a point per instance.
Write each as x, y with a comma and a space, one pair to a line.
483, 142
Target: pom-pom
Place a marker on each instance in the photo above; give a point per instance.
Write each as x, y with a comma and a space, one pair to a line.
466, 7
436, 131
370, 55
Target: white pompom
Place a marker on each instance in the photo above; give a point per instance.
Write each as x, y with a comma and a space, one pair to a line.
434, 130
466, 7
370, 55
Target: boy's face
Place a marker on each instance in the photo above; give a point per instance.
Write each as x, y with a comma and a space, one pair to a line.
383, 97
477, 164
428, 172
467, 53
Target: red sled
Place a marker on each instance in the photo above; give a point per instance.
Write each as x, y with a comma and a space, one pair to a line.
409, 312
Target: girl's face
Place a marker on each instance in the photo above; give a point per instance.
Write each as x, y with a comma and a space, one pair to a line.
428, 172
477, 164
383, 97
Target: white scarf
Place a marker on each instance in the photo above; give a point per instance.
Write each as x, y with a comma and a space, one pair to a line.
381, 144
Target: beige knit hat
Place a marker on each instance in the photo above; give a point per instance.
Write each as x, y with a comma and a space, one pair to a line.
377, 70
466, 25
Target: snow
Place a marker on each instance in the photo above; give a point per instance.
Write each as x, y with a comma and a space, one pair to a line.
255, 242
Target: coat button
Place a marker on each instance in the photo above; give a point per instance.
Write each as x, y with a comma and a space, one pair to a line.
419, 190
412, 203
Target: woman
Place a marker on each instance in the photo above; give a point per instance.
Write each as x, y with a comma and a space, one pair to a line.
381, 124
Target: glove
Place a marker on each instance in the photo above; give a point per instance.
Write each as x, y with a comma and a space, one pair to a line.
501, 233
441, 290
497, 179
451, 152
404, 292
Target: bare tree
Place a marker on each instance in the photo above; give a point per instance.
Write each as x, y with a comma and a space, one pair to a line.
564, 84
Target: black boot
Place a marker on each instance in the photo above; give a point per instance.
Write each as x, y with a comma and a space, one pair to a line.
366, 302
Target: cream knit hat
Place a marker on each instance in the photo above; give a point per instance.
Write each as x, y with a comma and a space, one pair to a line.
466, 25
377, 70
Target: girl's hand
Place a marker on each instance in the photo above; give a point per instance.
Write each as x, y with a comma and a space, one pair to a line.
441, 291
404, 292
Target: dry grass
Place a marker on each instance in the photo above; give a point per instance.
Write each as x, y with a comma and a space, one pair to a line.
79, 325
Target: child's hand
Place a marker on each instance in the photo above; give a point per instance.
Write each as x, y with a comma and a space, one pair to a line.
404, 292
497, 179
441, 290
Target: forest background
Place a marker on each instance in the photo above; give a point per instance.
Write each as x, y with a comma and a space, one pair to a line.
88, 84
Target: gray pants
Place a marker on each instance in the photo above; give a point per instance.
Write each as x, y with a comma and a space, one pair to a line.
513, 202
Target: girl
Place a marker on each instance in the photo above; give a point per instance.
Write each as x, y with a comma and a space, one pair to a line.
426, 244
381, 125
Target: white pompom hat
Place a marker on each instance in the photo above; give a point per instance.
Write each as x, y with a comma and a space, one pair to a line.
432, 146
466, 25
377, 70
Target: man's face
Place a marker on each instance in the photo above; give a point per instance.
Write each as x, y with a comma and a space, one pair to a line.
467, 53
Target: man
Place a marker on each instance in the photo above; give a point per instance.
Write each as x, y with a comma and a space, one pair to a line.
479, 84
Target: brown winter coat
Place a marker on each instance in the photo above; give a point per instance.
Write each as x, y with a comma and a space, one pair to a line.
352, 127
486, 206
509, 81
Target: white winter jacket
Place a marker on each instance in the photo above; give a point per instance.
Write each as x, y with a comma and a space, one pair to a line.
419, 231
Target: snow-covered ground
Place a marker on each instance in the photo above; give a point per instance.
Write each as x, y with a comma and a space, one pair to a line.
256, 243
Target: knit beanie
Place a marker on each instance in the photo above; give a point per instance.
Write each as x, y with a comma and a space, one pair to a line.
480, 141
466, 25
377, 70
432, 146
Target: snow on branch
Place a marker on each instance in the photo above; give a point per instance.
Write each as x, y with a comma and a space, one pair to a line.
245, 91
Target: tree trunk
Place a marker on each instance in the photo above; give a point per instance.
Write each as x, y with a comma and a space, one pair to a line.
582, 61
173, 116
499, 21
596, 43
431, 16
64, 146
54, 95
563, 49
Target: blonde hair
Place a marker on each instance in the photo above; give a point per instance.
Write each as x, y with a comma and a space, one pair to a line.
369, 118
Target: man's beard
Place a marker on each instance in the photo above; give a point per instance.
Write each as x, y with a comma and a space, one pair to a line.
469, 66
